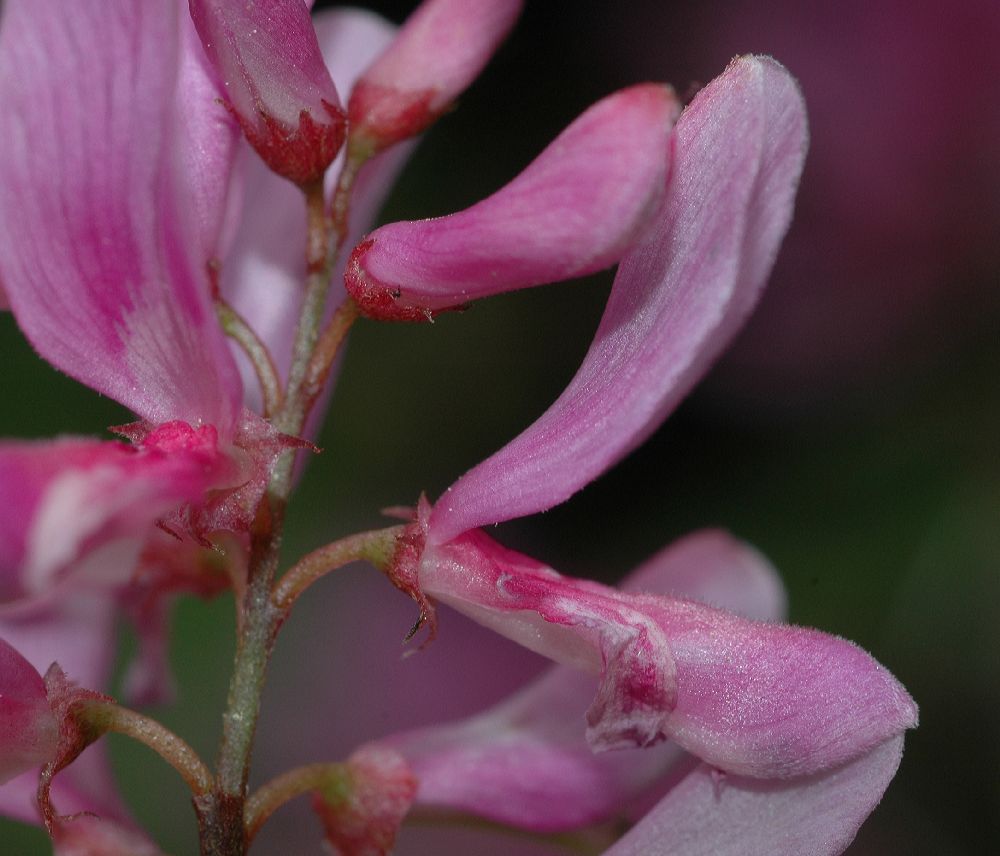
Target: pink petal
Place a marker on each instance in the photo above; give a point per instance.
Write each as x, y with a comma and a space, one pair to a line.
262, 276
275, 80
102, 266
574, 210
208, 140
582, 624
72, 500
711, 815
29, 732
677, 299
440, 50
95, 836
713, 567
752, 698
526, 762
773, 700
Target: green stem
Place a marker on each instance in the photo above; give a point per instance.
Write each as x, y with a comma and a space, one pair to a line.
108, 716
327, 348
376, 547
221, 813
319, 267
236, 327
358, 152
280, 790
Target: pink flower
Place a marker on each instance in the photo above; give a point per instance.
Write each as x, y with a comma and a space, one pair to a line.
575, 210
440, 50
789, 716
276, 81
125, 197
107, 273
121, 203
77, 631
525, 762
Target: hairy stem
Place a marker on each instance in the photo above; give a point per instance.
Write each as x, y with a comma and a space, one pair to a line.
108, 716
319, 260
243, 334
376, 547
280, 790
221, 813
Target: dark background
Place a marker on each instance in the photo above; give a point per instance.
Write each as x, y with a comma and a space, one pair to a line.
850, 435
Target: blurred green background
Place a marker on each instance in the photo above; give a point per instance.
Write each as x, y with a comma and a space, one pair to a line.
855, 446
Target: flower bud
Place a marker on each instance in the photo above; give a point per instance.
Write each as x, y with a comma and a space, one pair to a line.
441, 48
276, 82
28, 729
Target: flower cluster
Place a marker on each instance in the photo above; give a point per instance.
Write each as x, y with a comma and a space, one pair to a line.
173, 174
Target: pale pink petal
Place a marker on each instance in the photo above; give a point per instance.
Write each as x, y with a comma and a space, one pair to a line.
773, 700
713, 567
581, 624
149, 678
95, 836
677, 299
29, 732
101, 263
710, 814
72, 500
262, 276
208, 139
77, 632
275, 79
526, 762
574, 210
440, 50
750, 697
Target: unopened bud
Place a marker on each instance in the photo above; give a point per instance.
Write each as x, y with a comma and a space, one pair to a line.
440, 50
276, 82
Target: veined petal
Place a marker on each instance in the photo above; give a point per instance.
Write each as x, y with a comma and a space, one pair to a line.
440, 50
574, 210
526, 762
708, 814
676, 302
750, 697
72, 499
262, 277
29, 732
275, 80
101, 266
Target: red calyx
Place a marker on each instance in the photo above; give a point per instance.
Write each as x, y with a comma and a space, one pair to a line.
299, 154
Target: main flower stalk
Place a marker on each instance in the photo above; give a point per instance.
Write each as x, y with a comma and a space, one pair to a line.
221, 814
